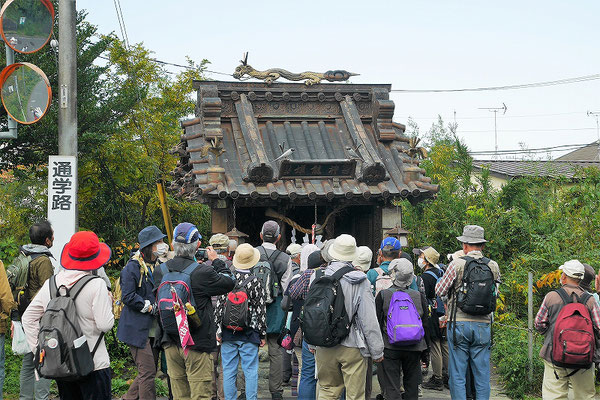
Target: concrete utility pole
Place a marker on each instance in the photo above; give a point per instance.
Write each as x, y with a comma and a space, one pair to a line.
67, 82
12, 124
67, 78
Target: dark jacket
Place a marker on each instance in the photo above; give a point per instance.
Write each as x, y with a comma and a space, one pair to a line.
382, 304
206, 281
134, 325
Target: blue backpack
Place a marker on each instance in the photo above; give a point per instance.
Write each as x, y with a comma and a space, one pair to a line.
404, 325
181, 284
437, 304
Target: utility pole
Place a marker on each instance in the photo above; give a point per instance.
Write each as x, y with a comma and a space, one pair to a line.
596, 114
495, 111
67, 82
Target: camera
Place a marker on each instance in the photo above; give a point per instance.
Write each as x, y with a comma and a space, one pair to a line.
201, 255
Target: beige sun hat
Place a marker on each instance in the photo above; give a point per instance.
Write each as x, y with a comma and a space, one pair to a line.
573, 269
364, 257
245, 256
219, 241
343, 248
431, 255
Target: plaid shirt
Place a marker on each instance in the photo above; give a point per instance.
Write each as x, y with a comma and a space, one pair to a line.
542, 319
445, 283
299, 289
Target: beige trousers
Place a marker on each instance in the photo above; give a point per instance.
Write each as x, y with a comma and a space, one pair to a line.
339, 367
581, 381
439, 357
191, 376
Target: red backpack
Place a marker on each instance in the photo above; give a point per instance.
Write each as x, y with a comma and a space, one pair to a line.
573, 337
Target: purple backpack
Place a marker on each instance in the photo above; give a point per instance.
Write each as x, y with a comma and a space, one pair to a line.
404, 325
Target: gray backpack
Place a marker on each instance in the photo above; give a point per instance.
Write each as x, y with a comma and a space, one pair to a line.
62, 352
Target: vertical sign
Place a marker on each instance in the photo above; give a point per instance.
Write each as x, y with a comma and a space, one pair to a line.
62, 200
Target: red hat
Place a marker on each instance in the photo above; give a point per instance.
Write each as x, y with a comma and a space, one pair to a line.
84, 252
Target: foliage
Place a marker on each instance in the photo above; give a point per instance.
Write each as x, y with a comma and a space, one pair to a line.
511, 361
532, 224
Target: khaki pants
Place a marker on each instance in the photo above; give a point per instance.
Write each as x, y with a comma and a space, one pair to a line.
581, 381
191, 376
339, 367
439, 357
275, 365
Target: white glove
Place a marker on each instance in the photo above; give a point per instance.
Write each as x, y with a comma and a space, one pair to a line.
147, 306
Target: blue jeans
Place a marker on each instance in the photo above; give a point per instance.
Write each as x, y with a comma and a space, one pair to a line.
231, 353
471, 346
307, 388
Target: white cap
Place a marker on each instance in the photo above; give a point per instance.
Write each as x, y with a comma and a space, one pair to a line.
573, 269
364, 257
294, 249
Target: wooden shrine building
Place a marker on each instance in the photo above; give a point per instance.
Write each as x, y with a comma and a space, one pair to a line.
288, 151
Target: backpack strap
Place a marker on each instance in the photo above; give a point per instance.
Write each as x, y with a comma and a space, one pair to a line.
563, 295
430, 272
164, 269
190, 268
79, 285
584, 298
341, 272
52, 287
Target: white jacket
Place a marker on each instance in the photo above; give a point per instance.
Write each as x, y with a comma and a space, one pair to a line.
94, 309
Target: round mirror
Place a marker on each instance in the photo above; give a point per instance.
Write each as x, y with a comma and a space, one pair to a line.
26, 92
26, 25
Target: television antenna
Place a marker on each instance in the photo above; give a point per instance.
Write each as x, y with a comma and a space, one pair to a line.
495, 111
596, 114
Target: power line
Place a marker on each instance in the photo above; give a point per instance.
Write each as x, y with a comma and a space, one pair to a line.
562, 147
500, 116
565, 81
531, 130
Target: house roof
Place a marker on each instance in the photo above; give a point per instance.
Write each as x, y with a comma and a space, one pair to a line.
590, 152
520, 168
344, 143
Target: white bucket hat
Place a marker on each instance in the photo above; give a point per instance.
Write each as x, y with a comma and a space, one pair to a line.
364, 257
343, 248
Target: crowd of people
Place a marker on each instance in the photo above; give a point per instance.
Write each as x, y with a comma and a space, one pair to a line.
329, 317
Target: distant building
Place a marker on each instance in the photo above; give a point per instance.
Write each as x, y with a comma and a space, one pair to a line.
591, 152
501, 171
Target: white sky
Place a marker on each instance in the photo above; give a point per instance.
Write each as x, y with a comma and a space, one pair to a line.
438, 44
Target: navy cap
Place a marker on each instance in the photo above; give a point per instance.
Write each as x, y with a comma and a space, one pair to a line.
149, 235
391, 241
186, 233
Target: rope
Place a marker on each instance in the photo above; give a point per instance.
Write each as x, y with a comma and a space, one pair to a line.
274, 214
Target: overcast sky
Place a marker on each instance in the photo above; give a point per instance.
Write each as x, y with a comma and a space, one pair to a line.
437, 44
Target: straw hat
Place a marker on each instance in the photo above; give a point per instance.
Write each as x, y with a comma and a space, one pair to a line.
245, 256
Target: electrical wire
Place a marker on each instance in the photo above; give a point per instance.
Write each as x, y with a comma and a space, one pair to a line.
565, 81
499, 116
531, 130
562, 147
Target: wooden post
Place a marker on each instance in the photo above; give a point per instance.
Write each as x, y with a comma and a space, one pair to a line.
162, 197
530, 323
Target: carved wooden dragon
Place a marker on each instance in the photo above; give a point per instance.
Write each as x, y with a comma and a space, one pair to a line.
270, 75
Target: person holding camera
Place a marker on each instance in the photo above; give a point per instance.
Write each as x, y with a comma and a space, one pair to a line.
190, 368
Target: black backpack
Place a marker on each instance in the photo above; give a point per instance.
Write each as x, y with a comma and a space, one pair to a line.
477, 294
323, 319
236, 316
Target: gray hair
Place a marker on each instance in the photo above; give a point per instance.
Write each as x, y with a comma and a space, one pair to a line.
187, 250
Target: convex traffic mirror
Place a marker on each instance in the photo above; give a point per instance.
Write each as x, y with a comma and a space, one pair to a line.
26, 92
26, 25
